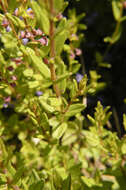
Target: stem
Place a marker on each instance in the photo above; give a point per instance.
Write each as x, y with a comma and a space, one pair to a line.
115, 32
52, 49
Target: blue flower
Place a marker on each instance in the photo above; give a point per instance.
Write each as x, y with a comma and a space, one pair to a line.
38, 93
8, 28
5, 105
25, 41
79, 77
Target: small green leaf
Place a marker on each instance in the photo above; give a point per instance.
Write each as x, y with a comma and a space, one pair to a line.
58, 5
41, 15
38, 63
59, 41
62, 77
57, 180
124, 121
90, 182
116, 9
67, 183
38, 185
28, 72
18, 174
45, 121
60, 130
46, 106
74, 109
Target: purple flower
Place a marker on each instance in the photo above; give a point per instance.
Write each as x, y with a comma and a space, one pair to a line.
43, 41
38, 93
22, 34
10, 68
25, 41
16, 12
7, 99
79, 77
39, 32
21, 18
14, 78
8, 28
5, 105
5, 23
30, 12
13, 84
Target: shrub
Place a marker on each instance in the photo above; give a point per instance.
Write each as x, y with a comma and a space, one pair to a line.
46, 141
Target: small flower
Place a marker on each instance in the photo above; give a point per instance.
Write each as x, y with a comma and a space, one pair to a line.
22, 34
13, 84
79, 77
59, 16
28, 35
5, 23
21, 18
16, 12
39, 93
43, 41
30, 12
25, 41
78, 51
10, 68
5, 105
7, 99
39, 32
8, 28
124, 4
14, 78
72, 55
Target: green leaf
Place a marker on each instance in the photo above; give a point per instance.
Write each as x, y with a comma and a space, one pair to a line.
46, 106
1, 17
41, 15
60, 40
44, 121
124, 121
60, 130
62, 25
116, 9
39, 185
33, 84
2, 59
38, 63
28, 72
18, 174
90, 182
62, 77
20, 23
67, 183
58, 5
9, 16
57, 180
74, 109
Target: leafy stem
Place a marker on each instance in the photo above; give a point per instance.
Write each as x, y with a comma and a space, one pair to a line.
52, 49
